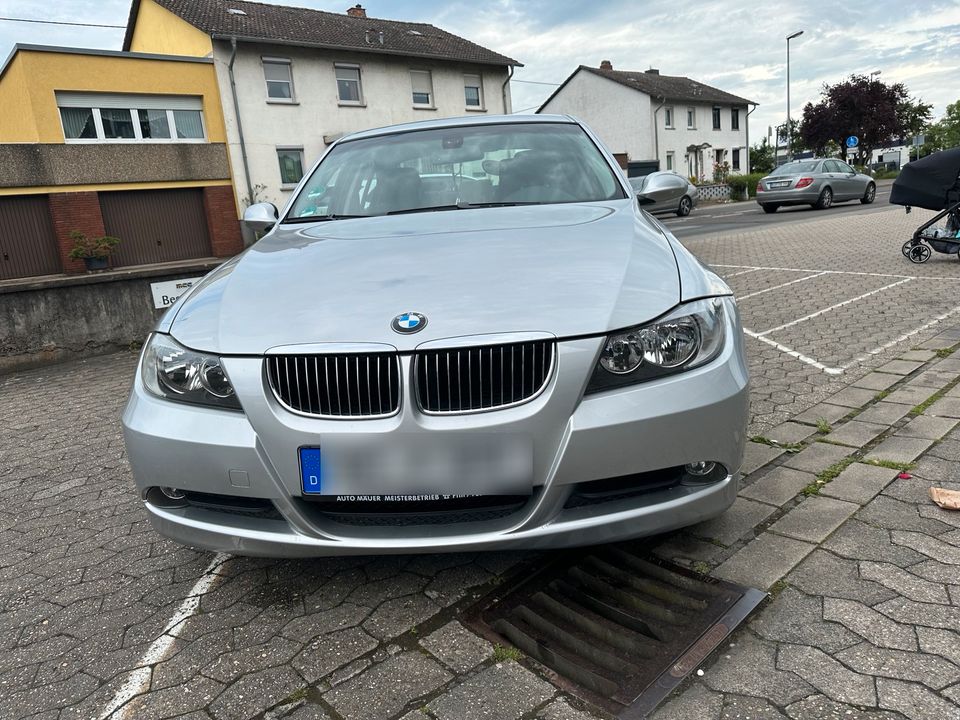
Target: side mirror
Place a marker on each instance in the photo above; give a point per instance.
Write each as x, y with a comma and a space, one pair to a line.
645, 199
261, 216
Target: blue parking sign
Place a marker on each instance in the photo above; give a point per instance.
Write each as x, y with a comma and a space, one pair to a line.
853, 141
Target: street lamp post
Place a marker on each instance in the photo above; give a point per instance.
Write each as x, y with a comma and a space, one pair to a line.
789, 128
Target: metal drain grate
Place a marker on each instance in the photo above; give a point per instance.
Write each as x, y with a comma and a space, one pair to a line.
620, 628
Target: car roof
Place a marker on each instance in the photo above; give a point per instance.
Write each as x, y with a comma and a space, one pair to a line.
459, 122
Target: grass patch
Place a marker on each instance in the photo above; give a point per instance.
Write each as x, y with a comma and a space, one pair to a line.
823, 427
881, 395
827, 475
921, 408
789, 447
891, 465
506, 652
778, 587
944, 352
702, 567
296, 695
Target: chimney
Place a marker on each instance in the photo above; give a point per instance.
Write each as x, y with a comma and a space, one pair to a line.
606, 65
652, 71
357, 11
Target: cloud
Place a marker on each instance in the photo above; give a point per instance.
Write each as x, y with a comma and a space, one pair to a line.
738, 47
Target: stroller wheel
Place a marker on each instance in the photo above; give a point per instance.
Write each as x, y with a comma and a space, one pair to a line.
919, 254
906, 248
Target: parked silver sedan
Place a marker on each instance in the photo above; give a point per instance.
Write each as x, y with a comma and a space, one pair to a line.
815, 182
665, 191
542, 365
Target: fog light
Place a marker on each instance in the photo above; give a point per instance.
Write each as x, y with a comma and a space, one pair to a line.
174, 493
701, 468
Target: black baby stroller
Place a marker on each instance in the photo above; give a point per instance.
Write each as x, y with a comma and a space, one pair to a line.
933, 183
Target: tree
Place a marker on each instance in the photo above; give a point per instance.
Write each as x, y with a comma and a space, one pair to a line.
761, 157
945, 133
876, 113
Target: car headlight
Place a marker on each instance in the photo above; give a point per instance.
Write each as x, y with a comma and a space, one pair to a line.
174, 372
690, 336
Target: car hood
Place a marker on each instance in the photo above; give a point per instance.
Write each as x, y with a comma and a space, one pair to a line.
564, 269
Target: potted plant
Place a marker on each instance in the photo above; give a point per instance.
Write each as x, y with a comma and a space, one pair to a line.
94, 251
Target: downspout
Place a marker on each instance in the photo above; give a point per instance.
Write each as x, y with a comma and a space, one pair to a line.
236, 111
656, 131
503, 92
748, 139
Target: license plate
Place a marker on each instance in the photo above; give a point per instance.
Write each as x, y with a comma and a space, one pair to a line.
778, 184
418, 466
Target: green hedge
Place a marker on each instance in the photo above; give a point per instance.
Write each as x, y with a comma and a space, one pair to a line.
740, 183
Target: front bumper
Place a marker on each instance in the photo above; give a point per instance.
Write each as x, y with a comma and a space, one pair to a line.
693, 416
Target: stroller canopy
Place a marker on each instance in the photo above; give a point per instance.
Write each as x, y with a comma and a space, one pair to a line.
932, 182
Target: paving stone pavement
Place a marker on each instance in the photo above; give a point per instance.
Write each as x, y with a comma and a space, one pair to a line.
863, 622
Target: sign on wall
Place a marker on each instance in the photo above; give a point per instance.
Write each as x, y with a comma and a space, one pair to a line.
166, 293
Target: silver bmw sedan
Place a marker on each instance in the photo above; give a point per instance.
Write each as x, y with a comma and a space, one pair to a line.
458, 334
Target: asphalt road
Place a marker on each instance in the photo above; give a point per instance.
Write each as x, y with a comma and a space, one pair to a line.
708, 219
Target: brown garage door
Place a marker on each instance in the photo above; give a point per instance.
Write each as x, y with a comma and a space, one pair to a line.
156, 226
28, 244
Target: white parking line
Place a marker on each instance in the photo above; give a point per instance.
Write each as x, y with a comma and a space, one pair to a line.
138, 681
818, 313
906, 336
793, 353
742, 272
837, 272
775, 287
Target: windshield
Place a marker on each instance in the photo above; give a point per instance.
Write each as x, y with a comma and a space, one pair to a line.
793, 168
463, 167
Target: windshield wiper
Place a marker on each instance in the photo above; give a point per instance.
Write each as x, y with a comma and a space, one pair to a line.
322, 218
426, 209
497, 204
460, 206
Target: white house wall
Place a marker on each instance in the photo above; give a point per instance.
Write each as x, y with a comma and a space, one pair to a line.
621, 117
386, 88
678, 139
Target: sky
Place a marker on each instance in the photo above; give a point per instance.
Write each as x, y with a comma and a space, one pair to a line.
736, 46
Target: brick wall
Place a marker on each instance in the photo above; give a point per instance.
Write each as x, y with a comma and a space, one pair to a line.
75, 211
222, 223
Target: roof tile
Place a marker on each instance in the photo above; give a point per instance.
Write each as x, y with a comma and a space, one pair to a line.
294, 25
671, 87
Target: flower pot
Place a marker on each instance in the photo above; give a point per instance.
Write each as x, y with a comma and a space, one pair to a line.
95, 263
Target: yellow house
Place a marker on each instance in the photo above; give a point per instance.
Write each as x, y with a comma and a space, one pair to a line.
111, 143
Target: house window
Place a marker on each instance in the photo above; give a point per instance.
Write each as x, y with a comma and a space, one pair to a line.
691, 119
154, 124
278, 74
718, 156
735, 164
716, 118
78, 123
189, 124
348, 84
473, 92
668, 117
103, 117
291, 165
117, 124
735, 119
422, 84
669, 161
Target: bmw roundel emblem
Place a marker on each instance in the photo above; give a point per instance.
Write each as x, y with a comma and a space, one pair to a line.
409, 322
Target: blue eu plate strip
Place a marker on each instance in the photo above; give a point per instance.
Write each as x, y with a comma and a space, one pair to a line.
310, 473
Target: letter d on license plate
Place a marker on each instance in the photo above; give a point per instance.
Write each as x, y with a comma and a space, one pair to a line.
419, 464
